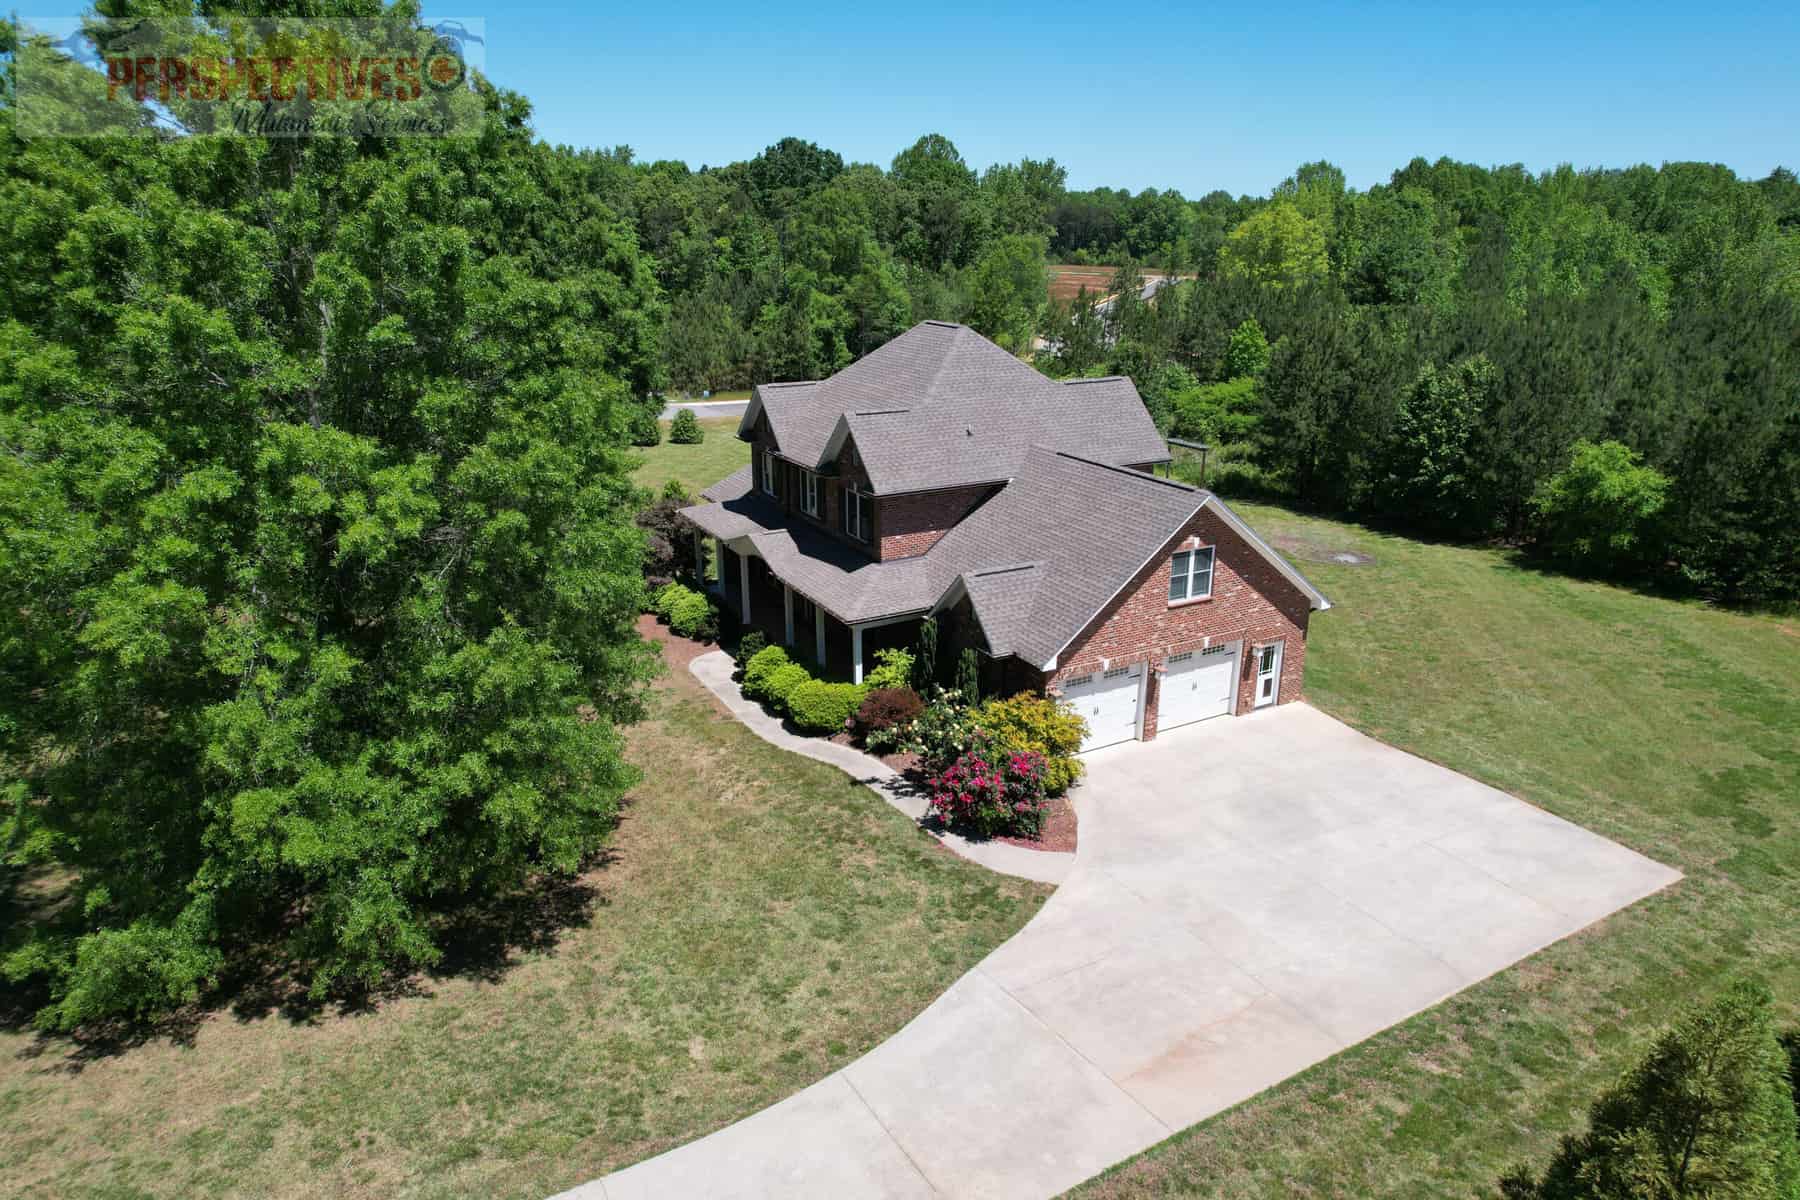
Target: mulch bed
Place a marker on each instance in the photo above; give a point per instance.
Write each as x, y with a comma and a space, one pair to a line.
678, 652
1058, 834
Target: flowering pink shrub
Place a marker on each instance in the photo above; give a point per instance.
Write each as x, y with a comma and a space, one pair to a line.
990, 790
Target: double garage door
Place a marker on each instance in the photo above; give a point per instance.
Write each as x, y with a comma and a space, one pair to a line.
1197, 685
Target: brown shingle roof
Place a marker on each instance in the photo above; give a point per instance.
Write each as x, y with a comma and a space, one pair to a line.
1037, 561
1086, 527
940, 406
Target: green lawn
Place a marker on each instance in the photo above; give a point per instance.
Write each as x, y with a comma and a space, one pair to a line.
763, 922
1670, 727
695, 466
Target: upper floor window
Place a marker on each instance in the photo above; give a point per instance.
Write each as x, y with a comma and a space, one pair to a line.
768, 472
857, 512
1190, 574
809, 493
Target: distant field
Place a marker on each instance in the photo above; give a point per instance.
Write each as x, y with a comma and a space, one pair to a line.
1067, 281
695, 466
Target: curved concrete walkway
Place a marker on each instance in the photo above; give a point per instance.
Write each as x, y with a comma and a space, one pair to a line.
1250, 896
714, 669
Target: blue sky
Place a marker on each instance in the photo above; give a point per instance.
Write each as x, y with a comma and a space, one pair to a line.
1196, 98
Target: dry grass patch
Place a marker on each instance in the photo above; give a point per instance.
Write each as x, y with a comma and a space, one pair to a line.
761, 921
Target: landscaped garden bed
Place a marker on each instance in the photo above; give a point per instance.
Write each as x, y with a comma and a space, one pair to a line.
994, 770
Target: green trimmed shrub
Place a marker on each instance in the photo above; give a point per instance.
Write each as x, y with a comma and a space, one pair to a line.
782, 682
684, 430
759, 667
692, 616
664, 599
820, 707
894, 670
1044, 726
750, 645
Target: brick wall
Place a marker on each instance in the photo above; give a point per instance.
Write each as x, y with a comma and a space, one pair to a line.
789, 493
910, 524
1251, 601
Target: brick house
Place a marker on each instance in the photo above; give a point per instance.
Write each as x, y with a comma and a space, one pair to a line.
940, 476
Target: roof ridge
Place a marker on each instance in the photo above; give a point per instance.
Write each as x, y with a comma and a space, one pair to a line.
1131, 472
791, 383
944, 358
1093, 379
981, 572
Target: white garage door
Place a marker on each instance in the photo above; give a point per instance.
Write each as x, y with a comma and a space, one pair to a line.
1108, 700
1197, 685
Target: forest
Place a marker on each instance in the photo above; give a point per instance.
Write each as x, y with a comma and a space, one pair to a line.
317, 567
1601, 364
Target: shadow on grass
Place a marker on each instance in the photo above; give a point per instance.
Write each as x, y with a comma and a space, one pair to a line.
480, 940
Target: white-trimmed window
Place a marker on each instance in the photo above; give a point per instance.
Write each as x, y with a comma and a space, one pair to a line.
856, 513
1190, 575
768, 472
809, 493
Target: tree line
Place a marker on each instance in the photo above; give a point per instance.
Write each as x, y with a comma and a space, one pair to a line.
1601, 364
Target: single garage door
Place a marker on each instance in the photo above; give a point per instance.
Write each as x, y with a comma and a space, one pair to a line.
1197, 685
1109, 702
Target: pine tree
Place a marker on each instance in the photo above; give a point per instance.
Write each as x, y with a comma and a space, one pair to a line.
968, 676
924, 668
1707, 1114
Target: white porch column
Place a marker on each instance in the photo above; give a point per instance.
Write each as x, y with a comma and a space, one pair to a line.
719, 583
819, 634
700, 558
744, 578
787, 601
856, 654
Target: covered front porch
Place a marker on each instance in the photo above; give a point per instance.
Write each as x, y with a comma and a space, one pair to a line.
745, 586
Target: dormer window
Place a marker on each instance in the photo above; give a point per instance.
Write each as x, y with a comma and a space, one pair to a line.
857, 512
809, 493
768, 472
1190, 575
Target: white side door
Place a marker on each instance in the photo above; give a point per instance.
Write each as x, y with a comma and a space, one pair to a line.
1268, 674
1197, 686
1108, 701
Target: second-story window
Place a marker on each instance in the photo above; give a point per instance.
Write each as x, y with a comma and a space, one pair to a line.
768, 472
858, 513
809, 493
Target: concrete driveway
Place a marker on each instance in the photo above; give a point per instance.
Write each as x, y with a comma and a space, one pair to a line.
1250, 896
